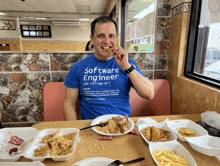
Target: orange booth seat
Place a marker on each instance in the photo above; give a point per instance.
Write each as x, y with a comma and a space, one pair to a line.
54, 95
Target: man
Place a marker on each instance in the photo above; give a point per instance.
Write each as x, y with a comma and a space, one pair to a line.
103, 80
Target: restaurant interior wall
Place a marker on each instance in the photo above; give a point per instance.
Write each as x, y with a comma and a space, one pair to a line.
64, 38
188, 96
10, 37
24, 74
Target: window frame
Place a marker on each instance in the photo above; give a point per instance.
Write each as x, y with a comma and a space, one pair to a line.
124, 14
192, 46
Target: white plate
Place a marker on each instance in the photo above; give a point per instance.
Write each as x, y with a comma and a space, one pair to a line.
174, 146
176, 124
158, 125
97, 161
107, 117
36, 144
25, 133
207, 145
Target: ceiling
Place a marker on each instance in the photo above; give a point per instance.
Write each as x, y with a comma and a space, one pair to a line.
55, 9
67, 9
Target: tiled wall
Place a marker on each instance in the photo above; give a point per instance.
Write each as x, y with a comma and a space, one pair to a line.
23, 75
188, 96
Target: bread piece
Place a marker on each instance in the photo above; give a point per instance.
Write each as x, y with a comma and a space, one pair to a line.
109, 49
185, 132
165, 131
147, 133
156, 134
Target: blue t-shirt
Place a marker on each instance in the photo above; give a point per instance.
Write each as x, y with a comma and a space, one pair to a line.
103, 87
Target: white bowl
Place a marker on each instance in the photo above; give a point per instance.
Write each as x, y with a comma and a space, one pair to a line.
107, 117
207, 145
174, 146
176, 124
158, 125
30, 151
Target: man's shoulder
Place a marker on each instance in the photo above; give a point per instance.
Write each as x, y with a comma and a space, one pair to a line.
84, 60
88, 57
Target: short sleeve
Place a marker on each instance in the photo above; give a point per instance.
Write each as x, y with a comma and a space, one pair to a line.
72, 79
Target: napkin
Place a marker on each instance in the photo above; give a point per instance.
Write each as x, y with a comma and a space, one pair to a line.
149, 121
212, 118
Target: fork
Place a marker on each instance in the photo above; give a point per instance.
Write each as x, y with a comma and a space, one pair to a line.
118, 162
101, 125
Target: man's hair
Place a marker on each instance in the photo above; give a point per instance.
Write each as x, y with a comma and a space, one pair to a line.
102, 19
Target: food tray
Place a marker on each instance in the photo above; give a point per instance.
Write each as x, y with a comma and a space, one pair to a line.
107, 117
34, 163
158, 125
31, 137
207, 145
25, 133
174, 146
176, 124
36, 144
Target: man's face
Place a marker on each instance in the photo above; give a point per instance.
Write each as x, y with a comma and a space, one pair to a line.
104, 36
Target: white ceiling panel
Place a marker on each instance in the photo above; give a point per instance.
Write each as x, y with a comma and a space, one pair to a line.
66, 5
49, 5
48, 8
83, 2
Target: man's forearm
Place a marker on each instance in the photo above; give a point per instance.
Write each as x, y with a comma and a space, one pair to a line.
69, 111
143, 86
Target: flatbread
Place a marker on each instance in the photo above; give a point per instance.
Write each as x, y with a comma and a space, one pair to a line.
108, 49
156, 134
147, 133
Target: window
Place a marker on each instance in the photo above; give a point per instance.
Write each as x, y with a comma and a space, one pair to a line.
35, 30
139, 25
203, 50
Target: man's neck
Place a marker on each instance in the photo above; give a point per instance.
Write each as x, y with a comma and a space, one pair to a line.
103, 58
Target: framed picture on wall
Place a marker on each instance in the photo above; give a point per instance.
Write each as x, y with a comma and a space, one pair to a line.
31, 27
35, 30
7, 25
38, 27
25, 27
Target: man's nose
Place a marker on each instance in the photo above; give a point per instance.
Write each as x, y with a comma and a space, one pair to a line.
107, 40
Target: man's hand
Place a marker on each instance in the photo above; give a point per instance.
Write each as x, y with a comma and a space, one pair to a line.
121, 57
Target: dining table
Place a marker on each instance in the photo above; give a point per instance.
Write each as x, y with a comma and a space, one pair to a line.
124, 147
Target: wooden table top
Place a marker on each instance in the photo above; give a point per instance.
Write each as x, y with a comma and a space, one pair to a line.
125, 148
